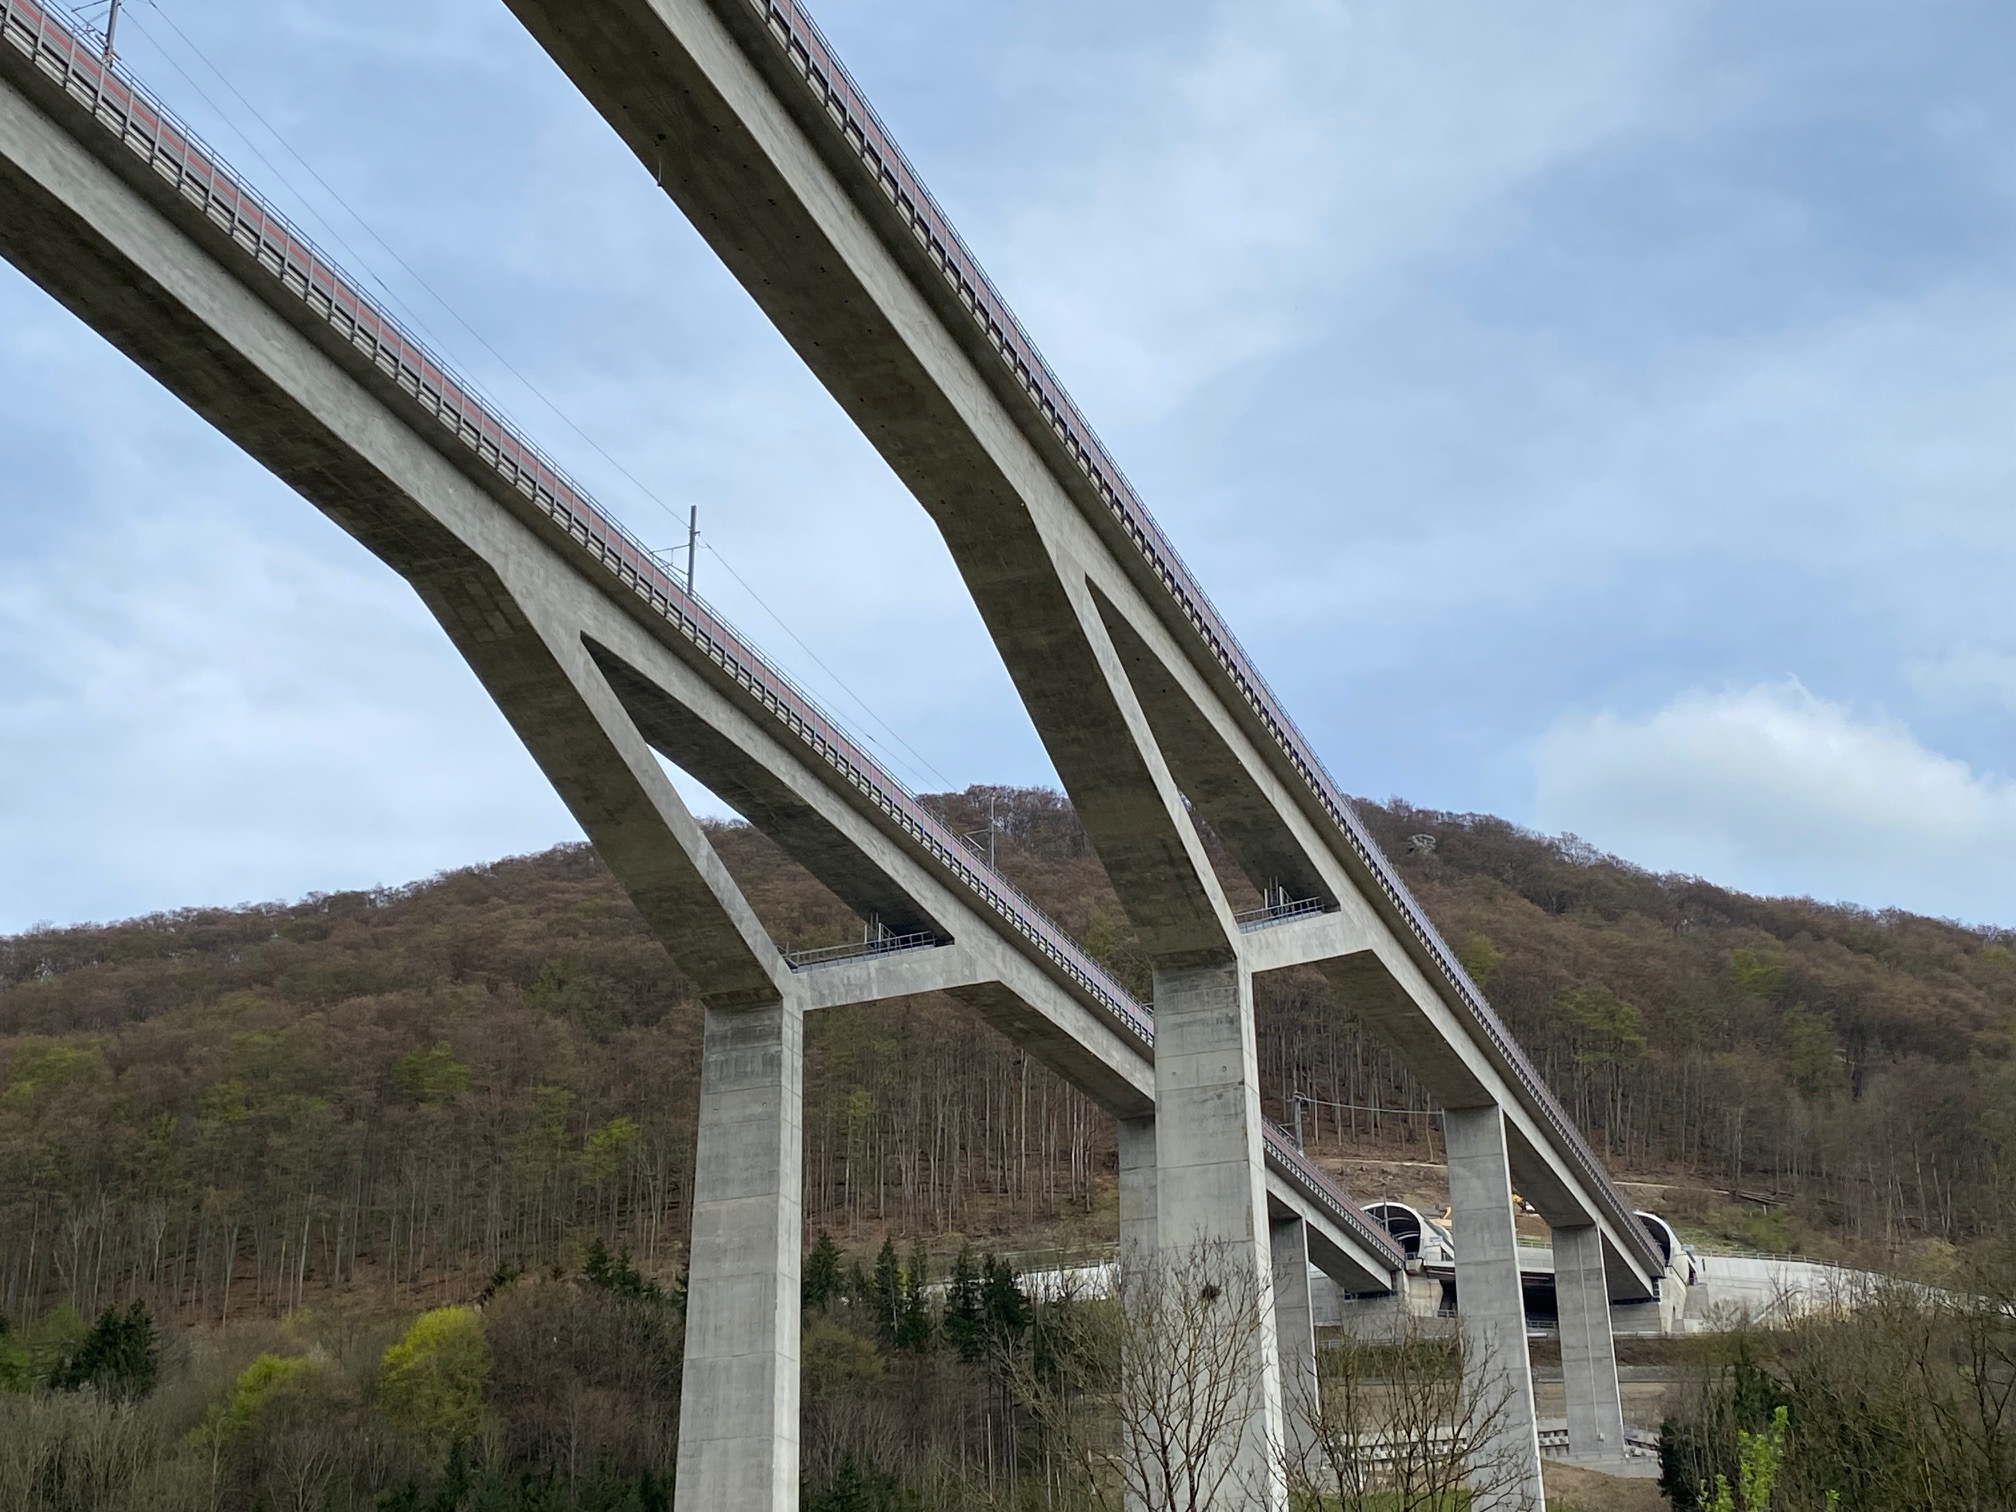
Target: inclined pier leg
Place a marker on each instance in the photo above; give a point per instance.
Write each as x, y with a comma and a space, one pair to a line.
1506, 1467
738, 1418
1295, 1344
1210, 1185
1588, 1353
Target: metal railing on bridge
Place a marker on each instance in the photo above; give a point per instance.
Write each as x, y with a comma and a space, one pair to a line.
54, 43
857, 950
845, 107
1277, 912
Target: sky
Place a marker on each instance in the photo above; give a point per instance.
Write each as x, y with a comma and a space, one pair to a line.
1599, 416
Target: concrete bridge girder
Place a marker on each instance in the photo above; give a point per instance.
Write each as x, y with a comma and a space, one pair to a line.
114, 259
1113, 677
591, 681
1384, 989
682, 91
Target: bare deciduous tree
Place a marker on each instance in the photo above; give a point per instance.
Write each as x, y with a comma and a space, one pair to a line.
1153, 1397
1398, 1424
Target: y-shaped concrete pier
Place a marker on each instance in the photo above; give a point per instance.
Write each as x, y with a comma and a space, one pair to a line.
1149, 709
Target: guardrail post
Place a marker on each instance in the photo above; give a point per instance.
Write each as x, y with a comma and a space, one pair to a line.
1588, 1352
1498, 1373
738, 1415
1210, 1185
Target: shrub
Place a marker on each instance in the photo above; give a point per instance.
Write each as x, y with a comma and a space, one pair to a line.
430, 1383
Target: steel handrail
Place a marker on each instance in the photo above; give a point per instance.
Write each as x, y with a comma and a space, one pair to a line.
857, 950
1251, 919
52, 39
1322, 1186
846, 107
54, 42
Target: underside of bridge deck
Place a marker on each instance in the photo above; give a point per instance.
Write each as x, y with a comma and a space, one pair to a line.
602, 666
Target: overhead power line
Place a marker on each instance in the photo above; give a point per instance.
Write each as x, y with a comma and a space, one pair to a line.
366, 266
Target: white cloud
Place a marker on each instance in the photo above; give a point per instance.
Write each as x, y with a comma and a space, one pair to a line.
1251, 169
1773, 789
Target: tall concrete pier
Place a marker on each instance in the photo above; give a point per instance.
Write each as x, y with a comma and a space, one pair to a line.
738, 1406
1493, 1311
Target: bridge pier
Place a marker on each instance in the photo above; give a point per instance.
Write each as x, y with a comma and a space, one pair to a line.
1295, 1344
738, 1415
1137, 1189
1588, 1350
554, 607
1137, 1231
1210, 1186
1490, 1302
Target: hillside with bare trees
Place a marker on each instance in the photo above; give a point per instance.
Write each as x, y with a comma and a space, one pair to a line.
406, 1093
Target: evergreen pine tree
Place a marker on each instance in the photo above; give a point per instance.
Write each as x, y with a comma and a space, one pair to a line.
887, 1293
1003, 1304
963, 1329
120, 1356
914, 1330
821, 1283
619, 1274
846, 1492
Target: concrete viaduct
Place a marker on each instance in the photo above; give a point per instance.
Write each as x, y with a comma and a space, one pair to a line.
1145, 702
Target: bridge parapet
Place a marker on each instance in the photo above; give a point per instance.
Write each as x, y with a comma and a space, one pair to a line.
837, 115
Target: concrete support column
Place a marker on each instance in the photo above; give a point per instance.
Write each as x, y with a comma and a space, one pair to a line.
1492, 1310
738, 1415
1295, 1342
1137, 1232
1210, 1185
1588, 1353
1137, 1188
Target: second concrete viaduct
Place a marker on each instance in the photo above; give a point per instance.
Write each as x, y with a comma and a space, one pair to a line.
598, 659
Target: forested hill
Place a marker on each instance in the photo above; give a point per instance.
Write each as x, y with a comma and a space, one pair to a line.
408, 1090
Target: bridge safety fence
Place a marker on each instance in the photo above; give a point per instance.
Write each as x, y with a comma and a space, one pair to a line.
1322, 1187
59, 45
843, 103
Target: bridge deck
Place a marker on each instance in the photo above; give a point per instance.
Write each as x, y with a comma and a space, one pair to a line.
282, 262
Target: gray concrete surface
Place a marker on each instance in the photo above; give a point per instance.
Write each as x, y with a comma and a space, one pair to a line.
738, 1400
1588, 1353
1209, 1183
1491, 1308
1138, 1231
1295, 1343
